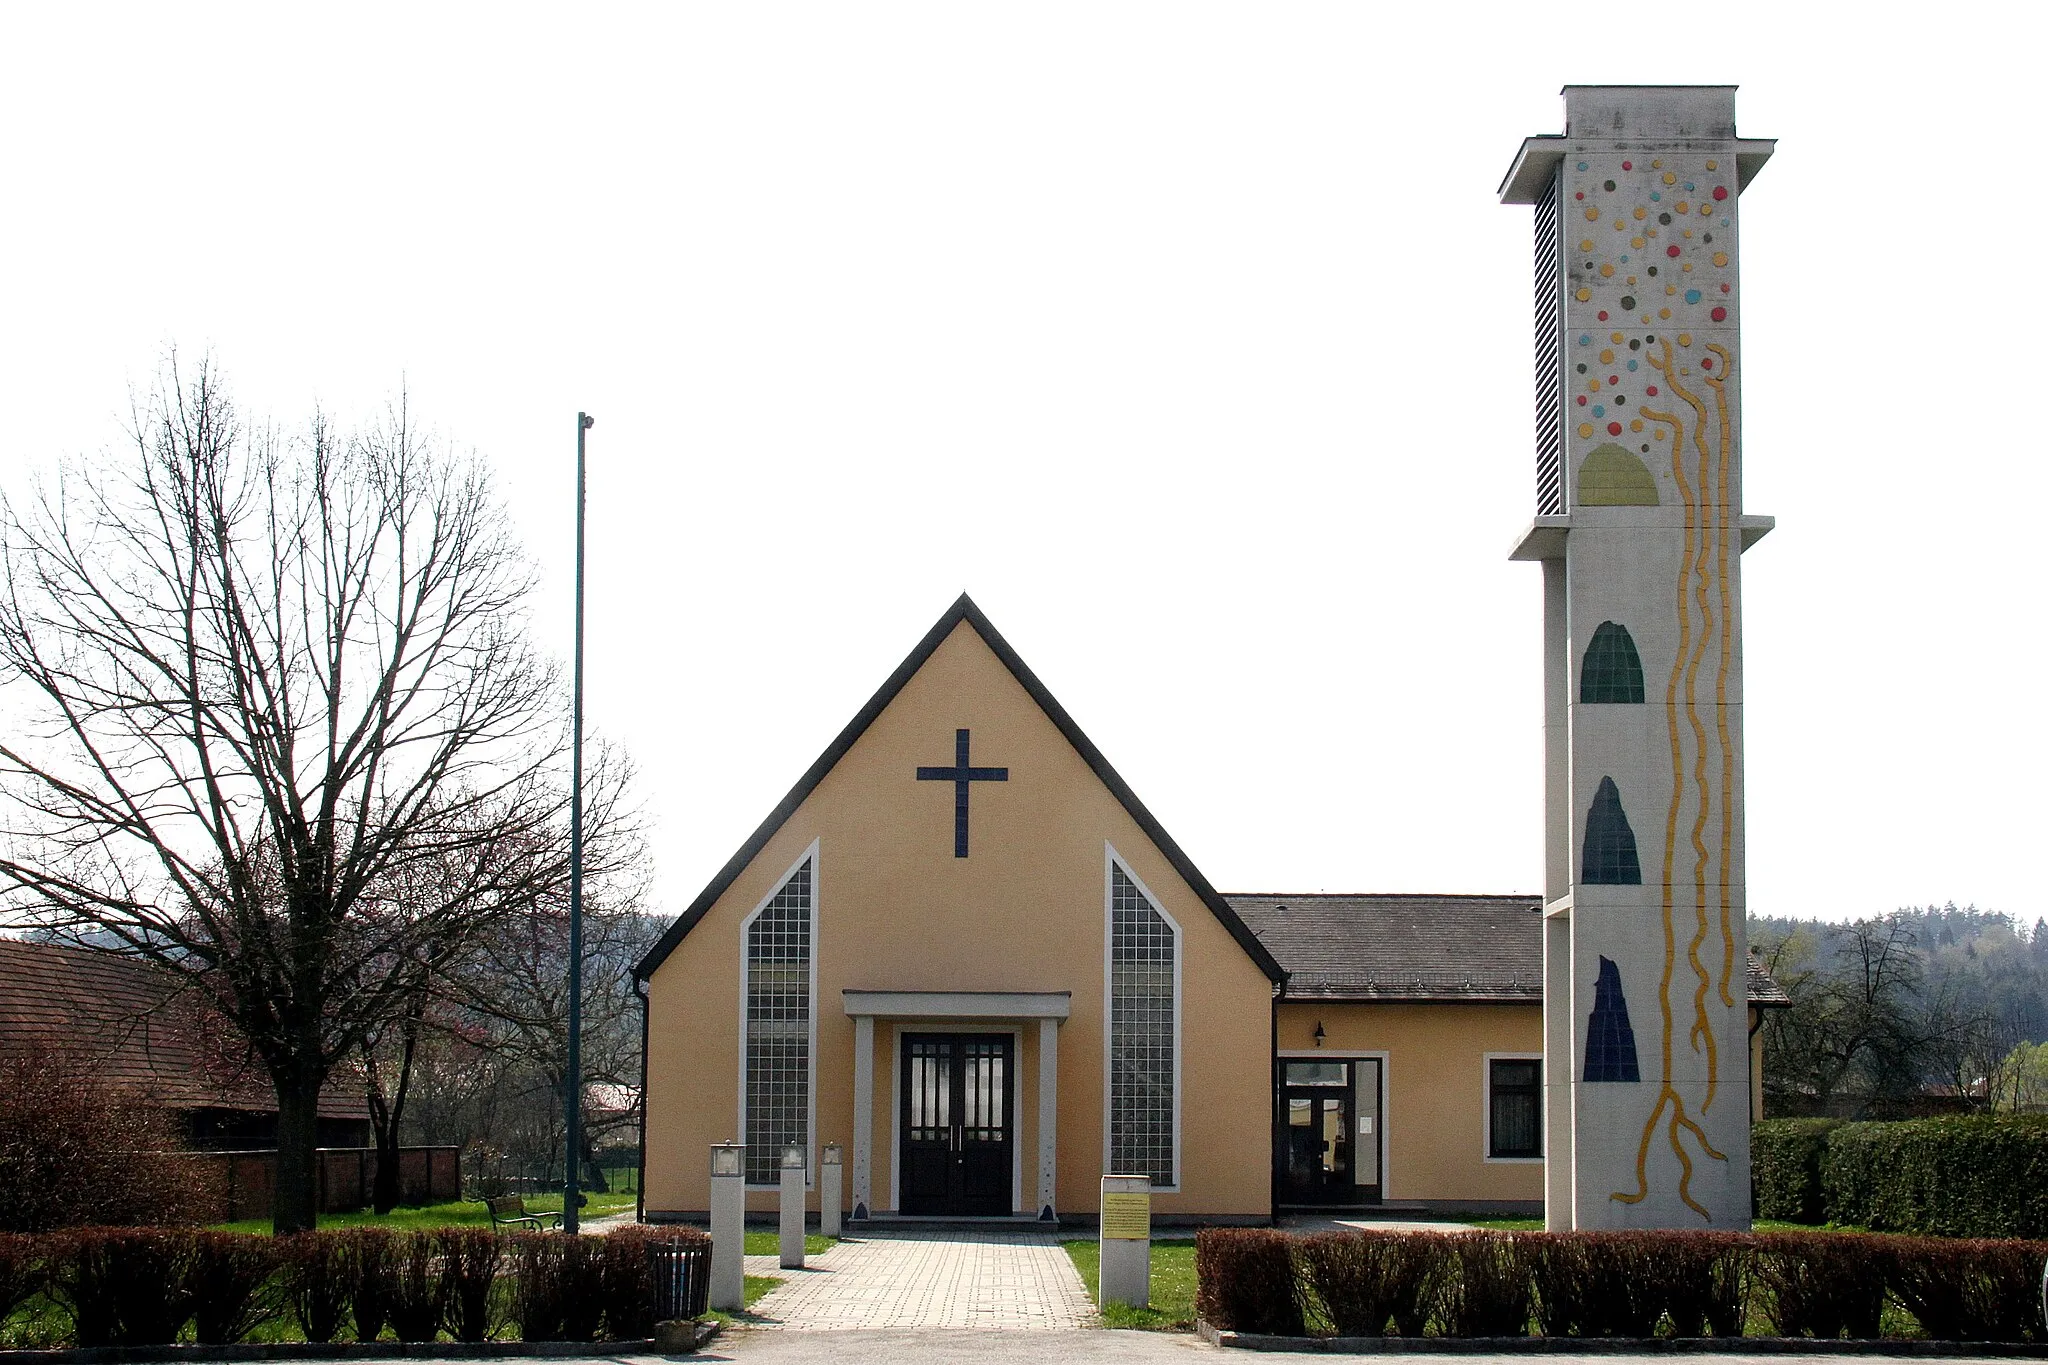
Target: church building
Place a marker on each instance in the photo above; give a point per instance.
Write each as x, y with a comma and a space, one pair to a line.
963, 950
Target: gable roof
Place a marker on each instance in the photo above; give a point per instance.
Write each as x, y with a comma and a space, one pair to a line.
962, 610
138, 1030
1395, 947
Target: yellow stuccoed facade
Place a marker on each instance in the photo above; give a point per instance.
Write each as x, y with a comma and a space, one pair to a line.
1435, 1057
1025, 916
1024, 912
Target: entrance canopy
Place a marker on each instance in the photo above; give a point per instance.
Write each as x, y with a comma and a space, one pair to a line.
960, 1139
957, 1004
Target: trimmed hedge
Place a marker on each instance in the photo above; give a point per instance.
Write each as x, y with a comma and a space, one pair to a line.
1245, 1281
156, 1286
1785, 1158
1974, 1176
1948, 1177
1621, 1284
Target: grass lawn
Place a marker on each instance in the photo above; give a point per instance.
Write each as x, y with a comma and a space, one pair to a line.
770, 1244
1172, 1287
756, 1286
456, 1213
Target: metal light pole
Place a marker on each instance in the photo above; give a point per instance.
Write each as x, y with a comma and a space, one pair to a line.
572, 1103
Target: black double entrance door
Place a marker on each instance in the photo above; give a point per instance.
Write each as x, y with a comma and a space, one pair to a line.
958, 1124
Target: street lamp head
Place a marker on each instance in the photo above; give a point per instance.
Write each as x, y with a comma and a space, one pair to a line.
588, 420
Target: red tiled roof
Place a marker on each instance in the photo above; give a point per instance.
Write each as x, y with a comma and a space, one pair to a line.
137, 1029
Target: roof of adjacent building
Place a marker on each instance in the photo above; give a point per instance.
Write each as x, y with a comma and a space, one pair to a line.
130, 1020
1416, 947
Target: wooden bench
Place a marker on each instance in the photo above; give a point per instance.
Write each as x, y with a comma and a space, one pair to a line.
509, 1210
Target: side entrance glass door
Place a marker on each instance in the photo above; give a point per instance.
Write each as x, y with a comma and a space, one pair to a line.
1329, 1132
957, 1124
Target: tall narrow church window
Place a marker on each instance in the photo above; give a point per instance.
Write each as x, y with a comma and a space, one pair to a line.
777, 1099
1144, 949
1609, 857
1612, 671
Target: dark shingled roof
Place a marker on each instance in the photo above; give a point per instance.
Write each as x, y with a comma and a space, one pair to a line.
125, 1017
1392, 947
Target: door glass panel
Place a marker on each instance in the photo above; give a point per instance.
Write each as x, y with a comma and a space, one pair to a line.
930, 1086
1318, 1073
1333, 1134
1365, 1159
1298, 1113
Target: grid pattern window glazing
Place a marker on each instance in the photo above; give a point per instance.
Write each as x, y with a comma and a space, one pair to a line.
1142, 955
1613, 671
778, 1099
1609, 855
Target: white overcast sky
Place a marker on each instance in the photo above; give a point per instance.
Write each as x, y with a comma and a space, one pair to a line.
1190, 339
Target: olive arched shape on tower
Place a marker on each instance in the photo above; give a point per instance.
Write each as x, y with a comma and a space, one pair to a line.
1612, 476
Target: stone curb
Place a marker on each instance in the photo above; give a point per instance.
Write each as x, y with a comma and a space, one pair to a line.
351, 1350
1615, 1346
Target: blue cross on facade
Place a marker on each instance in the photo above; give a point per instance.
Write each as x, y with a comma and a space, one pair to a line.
960, 774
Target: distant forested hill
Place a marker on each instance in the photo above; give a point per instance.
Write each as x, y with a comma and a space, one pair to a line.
1925, 1009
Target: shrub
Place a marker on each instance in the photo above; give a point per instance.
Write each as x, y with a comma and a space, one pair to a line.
582, 1272
124, 1286
1595, 1284
537, 1304
1969, 1290
1363, 1279
1485, 1289
1785, 1159
228, 1279
1706, 1289
1822, 1284
21, 1272
629, 1278
1245, 1281
372, 1280
316, 1282
1979, 1176
419, 1291
1629, 1284
76, 1150
471, 1258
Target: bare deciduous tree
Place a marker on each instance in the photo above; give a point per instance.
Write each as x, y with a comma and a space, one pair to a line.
268, 679
503, 991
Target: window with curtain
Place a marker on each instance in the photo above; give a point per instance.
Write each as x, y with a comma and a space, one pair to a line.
1514, 1124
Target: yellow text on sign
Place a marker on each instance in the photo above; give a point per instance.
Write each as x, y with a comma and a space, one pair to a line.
1127, 1216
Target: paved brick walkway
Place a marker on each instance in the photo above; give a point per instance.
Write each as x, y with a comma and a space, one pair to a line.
928, 1279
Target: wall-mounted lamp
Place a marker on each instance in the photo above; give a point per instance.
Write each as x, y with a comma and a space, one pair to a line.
1320, 1035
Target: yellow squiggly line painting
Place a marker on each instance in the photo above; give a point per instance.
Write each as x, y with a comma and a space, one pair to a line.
1702, 584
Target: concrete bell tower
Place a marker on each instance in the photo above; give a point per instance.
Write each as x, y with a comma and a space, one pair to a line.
1640, 531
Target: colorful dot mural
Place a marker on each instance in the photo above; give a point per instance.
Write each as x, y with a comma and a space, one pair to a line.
1677, 212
